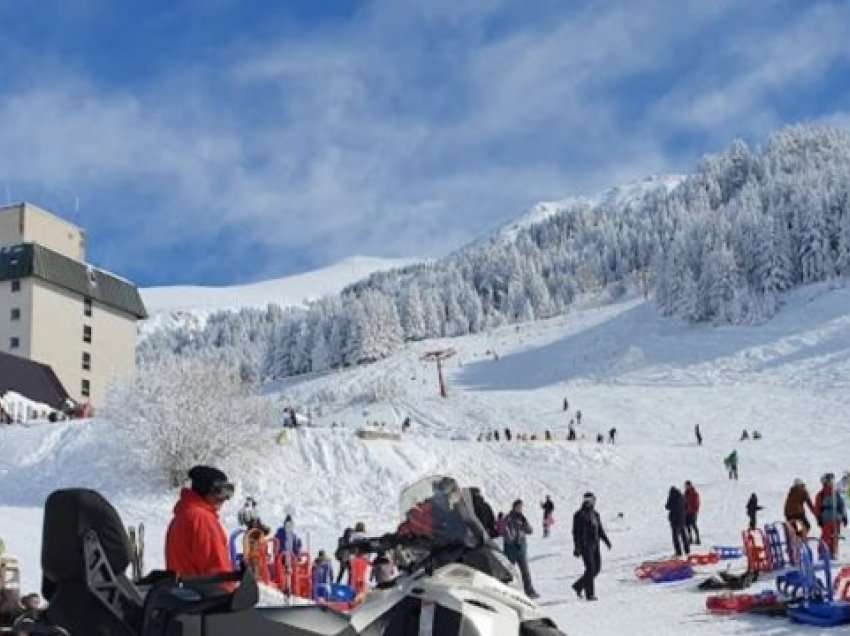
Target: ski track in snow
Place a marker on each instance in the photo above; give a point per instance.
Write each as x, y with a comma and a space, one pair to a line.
621, 364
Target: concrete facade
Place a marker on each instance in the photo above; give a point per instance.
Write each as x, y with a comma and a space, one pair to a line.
51, 321
27, 223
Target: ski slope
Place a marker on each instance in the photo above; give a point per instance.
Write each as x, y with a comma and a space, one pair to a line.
190, 304
622, 365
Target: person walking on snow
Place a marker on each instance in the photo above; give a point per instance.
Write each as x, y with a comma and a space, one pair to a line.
612, 435
676, 514
578, 417
587, 533
830, 512
731, 464
195, 543
796, 502
692, 504
516, 548
698, 435
343, 554
548, 519
752, 510
566, 405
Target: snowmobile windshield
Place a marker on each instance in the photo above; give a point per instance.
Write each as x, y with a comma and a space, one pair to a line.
436, 510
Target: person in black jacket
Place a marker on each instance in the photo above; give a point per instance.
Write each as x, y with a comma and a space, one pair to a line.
548, 507
484, 512
752, 510
587, 533
677, 514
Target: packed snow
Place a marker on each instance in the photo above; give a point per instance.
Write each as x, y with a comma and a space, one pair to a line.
189, 305
622, 364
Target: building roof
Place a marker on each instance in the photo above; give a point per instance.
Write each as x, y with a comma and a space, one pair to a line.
32, 259
33, 380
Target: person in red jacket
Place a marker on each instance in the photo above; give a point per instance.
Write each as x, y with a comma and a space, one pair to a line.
691, 512
196, 544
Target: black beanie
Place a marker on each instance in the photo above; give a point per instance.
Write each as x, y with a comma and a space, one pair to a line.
204, 478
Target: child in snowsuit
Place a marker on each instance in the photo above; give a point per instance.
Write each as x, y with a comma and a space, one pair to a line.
752, 510
831, 513
548, 507
587, 533
676, 514
323, 576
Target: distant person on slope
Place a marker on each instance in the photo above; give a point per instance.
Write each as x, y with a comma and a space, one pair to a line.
698, 435
578, 417
548, 507
566, 405
516, 549
692, 503
612, 436
745, 435
731, 464
676, 514
831, 513
796, 502
195, 544
752, 510
587, 533
508, 434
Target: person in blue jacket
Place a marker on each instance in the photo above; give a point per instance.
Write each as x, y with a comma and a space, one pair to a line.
289, 542
323, 576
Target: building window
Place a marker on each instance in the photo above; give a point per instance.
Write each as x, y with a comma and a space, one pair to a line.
85, 389
16, 314
86, 361
14, 342
87, 307
16, 285
86, 333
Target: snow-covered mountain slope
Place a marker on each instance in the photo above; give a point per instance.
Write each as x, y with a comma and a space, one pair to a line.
651, 378
188, 304
617, 195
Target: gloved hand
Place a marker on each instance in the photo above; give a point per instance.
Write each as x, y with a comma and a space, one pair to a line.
608, 543
576, 553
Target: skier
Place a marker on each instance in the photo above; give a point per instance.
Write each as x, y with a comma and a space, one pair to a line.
195, 544
731, 463
612, 435
343, 554
676, 515
323, 576
831, 513
795, 505
587, 532
698, 435
578, 418
692, 503
745, 435
516, 548
752, 510
548, 507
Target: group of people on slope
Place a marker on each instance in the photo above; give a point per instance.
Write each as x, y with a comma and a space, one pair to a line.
682, 512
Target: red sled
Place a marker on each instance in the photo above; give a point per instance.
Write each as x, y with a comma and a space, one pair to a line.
741, 603
656, 570
709, 558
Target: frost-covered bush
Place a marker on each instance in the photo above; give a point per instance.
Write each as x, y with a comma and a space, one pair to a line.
178, 412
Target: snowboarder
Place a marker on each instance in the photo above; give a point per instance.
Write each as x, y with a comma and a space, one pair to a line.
566, 405
745, 435
677, 508
830, 512
323, 576
343, 554
752, 510
692, 504
516, 548
587, 533
548, 507
578, 418
571, 432
731, 464
698, 435
612, 435
508, 434
795, 505
195, 544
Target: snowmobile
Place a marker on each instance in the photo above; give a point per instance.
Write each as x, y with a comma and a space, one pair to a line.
453, 581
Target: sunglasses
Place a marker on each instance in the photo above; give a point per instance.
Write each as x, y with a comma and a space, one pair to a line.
222, 490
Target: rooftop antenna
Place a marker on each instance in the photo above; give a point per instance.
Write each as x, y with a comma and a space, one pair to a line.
438, 357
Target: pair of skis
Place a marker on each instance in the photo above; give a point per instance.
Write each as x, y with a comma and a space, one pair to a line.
137, 551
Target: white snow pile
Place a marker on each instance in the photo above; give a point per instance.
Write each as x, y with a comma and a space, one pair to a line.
189, 305
652, 378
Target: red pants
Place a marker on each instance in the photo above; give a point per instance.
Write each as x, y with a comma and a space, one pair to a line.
829, 536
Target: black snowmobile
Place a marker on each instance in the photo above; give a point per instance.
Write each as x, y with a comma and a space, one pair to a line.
453, 581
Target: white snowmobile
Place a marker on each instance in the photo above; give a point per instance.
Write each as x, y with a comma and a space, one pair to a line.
453, 581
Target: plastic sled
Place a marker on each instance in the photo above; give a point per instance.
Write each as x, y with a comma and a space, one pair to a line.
757, 549
710, 558
823, 614
645, 570
740, 603
727, 552
805, 582
776, 535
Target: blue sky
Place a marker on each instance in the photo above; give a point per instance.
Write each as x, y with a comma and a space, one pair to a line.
223, 141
